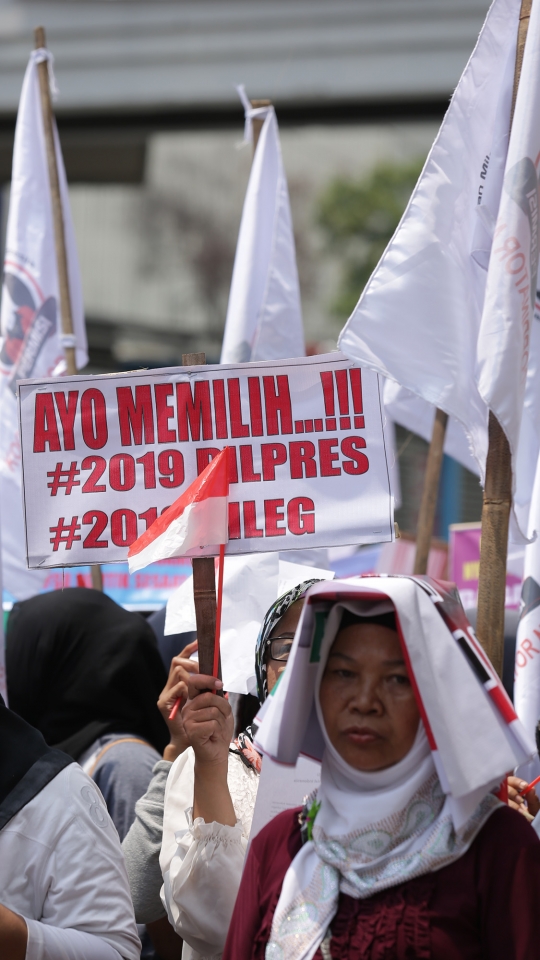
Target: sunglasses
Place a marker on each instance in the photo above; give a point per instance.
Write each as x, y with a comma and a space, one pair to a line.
280, 647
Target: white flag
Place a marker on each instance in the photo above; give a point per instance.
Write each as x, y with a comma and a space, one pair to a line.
527, 669
413, 413
391, 449
32, 343
419, 320
264, 317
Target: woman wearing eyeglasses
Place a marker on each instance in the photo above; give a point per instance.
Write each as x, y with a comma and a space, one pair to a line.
209, 798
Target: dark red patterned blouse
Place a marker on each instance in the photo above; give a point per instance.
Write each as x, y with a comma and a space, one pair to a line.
484, 906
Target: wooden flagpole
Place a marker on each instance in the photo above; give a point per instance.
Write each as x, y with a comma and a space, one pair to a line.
59, 233
498, 486
204, 581
426, 516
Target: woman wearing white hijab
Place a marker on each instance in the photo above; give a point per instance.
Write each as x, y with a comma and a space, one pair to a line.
405, 851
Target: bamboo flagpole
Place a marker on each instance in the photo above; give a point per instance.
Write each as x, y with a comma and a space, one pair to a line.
426, 516
66, 316
497, 501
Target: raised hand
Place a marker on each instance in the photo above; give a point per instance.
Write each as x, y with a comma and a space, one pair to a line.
209, 723
181, 669
528, 805
208, 720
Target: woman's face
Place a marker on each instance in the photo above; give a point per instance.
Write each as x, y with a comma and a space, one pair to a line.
366, 698
284, 630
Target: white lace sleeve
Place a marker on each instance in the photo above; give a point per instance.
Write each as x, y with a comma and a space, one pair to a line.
202, 877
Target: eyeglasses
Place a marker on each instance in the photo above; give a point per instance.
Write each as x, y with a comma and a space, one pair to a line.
280, 648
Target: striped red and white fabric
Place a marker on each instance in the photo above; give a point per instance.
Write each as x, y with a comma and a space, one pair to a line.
199, 518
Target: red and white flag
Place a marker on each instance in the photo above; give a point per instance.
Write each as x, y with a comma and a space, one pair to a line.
199, 518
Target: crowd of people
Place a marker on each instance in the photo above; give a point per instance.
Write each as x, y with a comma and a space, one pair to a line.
125, 833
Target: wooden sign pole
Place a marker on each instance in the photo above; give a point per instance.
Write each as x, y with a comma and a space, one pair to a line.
426, 516
204, 581
498, 487
96, 574
59, 233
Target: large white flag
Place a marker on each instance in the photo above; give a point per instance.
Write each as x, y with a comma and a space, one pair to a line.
264, 317
32, 343
509, 338
527, 669
422, 320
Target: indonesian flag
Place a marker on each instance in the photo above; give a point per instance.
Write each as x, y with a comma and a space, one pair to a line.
199, 518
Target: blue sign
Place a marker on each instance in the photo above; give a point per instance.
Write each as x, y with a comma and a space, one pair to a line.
147, 589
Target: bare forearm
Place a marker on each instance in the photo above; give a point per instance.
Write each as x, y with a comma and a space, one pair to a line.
211, 797
13, 935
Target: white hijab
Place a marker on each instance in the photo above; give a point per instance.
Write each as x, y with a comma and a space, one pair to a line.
372, 830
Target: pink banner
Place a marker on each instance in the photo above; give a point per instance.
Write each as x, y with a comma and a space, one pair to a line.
464, 565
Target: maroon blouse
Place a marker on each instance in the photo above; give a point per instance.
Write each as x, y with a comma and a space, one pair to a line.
484, 906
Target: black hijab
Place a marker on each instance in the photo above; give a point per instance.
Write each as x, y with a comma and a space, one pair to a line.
79, 666
27, 764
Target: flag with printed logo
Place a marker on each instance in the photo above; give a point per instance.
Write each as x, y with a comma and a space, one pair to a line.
32, 344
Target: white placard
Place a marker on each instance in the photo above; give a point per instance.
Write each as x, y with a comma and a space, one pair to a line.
102, 456
283, 788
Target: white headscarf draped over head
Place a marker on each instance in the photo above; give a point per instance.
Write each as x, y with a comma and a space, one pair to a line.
374, 830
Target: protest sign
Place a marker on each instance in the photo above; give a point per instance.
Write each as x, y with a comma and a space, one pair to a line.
464, 565
147, 589
103, 456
